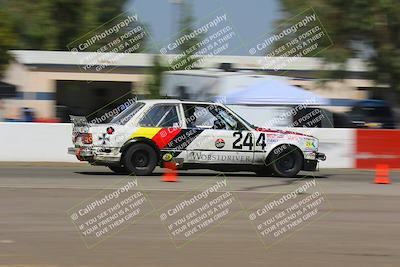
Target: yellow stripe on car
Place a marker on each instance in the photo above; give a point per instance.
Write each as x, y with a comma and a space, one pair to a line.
145, 132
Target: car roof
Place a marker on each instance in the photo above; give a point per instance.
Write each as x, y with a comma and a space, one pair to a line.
176, 101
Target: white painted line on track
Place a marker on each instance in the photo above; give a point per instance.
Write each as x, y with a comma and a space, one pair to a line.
6, 241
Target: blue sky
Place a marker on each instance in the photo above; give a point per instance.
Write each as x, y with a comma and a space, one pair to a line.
251, 19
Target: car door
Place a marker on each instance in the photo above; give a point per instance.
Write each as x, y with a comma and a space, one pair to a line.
162, 123
217, 137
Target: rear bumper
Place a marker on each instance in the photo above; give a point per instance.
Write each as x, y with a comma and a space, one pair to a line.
85, 152
98, 155
82, 154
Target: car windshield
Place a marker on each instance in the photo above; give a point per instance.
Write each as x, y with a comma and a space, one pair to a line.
127, 114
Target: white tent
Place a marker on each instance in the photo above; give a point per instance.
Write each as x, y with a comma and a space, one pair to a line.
272, 92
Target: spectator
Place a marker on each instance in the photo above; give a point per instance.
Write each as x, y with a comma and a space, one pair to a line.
28, 115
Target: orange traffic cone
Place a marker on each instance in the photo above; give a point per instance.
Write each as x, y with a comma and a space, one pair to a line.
170, 174
382, 174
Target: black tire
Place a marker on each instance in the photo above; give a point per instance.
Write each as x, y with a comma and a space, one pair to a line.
118, 169
140, 159
286, 161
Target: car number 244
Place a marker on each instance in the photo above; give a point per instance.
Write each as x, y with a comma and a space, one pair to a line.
244, 140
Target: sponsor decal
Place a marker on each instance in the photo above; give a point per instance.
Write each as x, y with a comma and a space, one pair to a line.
310, 144
309, 155
219, 143
167, 157
110, 130
279, 131
200, 156
104, 139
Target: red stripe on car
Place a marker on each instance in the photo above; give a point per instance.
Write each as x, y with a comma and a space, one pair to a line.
280, 131
165, 135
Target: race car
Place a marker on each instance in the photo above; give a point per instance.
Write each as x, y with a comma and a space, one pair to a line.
190, 135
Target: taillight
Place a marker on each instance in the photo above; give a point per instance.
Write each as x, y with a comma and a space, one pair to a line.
87, 138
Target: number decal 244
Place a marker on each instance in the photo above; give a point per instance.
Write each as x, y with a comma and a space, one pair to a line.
248, 141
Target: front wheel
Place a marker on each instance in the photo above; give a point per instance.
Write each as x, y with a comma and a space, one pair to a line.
140, 159
286, 161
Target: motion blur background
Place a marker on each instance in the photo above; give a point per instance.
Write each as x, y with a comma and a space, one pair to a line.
328, 68
43, 81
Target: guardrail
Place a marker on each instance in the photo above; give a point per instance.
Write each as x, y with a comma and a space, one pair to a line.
345, 148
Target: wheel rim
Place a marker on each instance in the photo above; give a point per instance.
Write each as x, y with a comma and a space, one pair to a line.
287, 162
140, 159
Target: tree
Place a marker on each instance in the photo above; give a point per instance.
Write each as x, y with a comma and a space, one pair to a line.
368, 29
50, 24
188, 49
7, 39
154, 81
186, 57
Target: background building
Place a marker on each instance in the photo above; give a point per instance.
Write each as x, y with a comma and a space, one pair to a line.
55, 83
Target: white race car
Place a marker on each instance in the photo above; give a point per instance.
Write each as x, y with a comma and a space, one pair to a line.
191, 135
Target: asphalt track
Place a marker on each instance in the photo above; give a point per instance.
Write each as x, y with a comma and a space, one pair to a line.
359, 227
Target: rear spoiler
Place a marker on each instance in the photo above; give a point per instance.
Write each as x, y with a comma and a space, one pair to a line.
78, 120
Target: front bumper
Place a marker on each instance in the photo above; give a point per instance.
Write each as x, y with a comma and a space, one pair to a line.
311, 160
314, 155
320, 156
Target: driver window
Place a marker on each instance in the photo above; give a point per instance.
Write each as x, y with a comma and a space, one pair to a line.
209, 117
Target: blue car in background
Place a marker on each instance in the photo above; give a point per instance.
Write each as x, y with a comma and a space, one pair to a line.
372, 113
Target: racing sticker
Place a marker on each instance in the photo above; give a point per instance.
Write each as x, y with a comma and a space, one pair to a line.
167, 157
213, 156
110, 130
219, 143
310, 144
104, 139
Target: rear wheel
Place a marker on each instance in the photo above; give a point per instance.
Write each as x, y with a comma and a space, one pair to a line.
118, 169
140, 159
286, 161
